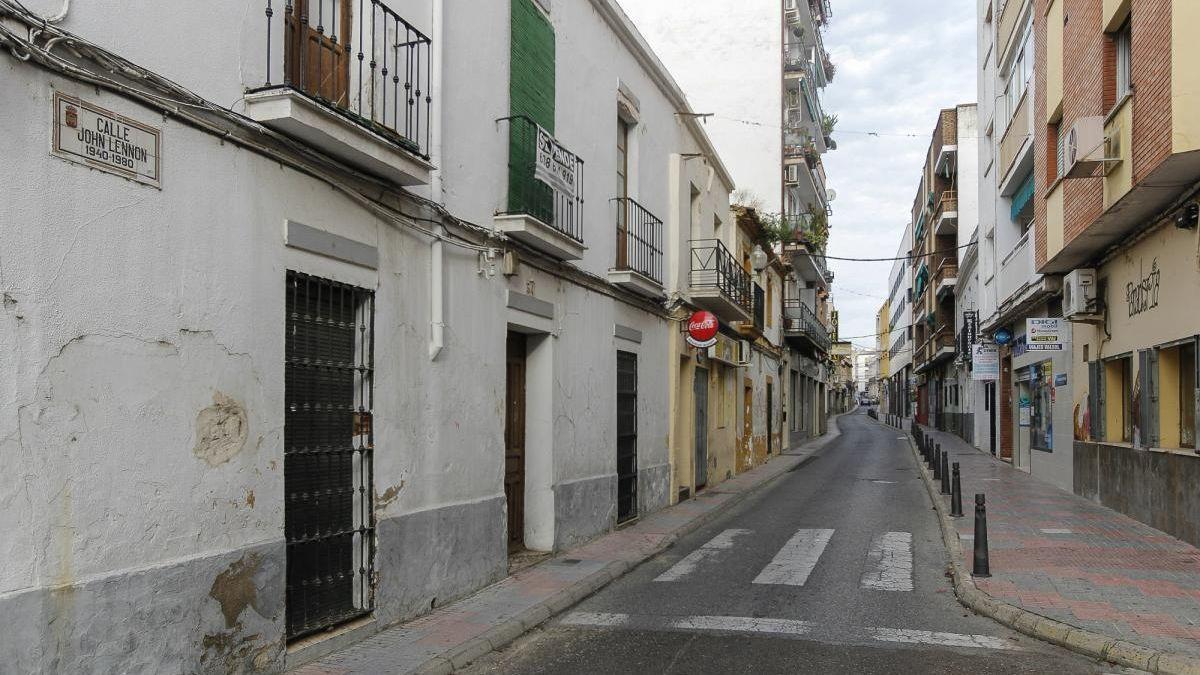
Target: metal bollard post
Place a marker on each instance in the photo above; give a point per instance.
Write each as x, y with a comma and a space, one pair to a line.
946, 472
937, 462
981, 567
956, 494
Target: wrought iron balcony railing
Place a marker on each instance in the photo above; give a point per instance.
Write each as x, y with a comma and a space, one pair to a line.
713, 266
760, 307
560, 207
639, 239
360, 59
800, 320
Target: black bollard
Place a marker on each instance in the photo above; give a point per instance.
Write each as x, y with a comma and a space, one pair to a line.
946, 472
956, 494
937, 462
981, 567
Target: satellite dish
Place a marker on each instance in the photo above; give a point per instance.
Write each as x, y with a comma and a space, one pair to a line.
830, 194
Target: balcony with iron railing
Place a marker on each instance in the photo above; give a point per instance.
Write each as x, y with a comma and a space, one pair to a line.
545, 192
937, 348
639, 245
755, 327
946, 277
718, 283
351, 78
945, 217
803, 328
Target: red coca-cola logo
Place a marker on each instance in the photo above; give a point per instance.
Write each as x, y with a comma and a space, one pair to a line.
702, 329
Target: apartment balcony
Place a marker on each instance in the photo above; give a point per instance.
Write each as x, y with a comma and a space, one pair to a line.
755, 327
803, 329
945, 278
545, 199
939, 348
351, 79
639, 263
1015, 157
718, 283
945, 217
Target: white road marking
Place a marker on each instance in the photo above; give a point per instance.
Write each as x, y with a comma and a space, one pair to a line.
927, 637
884, 482
967, 537
595, 619
796, 560
689, 563
1055, 530
743, 624
787, 627
890, 563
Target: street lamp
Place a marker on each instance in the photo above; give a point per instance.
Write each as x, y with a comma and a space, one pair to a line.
758, 258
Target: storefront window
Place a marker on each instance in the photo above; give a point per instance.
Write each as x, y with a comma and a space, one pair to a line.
1041, 421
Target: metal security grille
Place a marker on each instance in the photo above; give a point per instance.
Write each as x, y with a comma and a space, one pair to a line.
627, 469
327, 436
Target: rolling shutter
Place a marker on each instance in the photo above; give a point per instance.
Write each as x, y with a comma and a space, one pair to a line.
1148, 405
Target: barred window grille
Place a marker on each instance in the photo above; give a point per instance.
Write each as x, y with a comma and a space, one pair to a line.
328, 444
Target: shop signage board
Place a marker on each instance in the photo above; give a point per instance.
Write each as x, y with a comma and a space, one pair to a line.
702, 329
1044, 334
985, 362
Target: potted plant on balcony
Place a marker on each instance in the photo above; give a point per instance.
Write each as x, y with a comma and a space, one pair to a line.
811, 156
827, 126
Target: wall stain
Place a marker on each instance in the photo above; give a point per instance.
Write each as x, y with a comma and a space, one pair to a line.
221, 430
234, 588
388, 496
250, 498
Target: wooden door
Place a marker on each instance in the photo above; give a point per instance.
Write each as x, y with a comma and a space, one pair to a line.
700, 394
747, 426
514, 439
770, 417
317, 51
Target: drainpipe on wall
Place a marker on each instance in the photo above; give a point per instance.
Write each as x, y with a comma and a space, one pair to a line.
437, 298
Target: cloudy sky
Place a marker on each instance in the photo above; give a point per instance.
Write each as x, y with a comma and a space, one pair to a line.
898, 63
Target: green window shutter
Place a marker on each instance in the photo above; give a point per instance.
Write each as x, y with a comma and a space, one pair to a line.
1148, 403
531, 95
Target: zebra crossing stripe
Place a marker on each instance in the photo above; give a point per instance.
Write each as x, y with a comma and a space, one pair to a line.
689, 563
796, 560
743, 624
890, 563
929, 637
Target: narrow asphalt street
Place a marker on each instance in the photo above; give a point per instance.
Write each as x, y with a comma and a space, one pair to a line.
836, 567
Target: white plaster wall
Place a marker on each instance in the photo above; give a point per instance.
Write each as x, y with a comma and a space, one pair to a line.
988, 148
901, 270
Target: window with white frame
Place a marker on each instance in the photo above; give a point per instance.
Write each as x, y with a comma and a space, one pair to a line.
1124, 43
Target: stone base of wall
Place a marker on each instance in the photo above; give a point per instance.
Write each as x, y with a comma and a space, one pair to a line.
221, 613
583, 509
430, 558
1157, 488
654, 489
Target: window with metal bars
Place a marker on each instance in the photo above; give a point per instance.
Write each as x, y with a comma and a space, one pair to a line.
328, 444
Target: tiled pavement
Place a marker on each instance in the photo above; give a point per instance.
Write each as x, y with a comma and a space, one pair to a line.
1064, 557
505, 609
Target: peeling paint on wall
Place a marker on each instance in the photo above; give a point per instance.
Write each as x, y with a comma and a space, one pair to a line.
234, 588
221, 431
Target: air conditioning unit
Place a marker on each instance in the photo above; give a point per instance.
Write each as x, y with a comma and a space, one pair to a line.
1079, 296
1085, 147
792, 174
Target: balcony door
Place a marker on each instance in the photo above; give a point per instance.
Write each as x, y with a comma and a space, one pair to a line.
622, 194
317, 52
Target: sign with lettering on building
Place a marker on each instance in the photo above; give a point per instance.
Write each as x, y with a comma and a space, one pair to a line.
1043, 334
702, 329
985, 362
87, 134
554, 165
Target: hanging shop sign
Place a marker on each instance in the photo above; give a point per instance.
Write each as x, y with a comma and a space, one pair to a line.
87, 134
555, 165
985, 362
702, 329
1003, 336
1044, 334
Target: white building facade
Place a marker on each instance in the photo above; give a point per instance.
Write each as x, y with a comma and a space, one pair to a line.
898, 390
319, 364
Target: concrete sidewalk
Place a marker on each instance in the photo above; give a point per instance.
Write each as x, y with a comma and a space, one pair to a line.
1057, 555
455, 635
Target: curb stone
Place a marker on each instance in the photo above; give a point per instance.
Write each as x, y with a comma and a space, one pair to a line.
507, 631
1079, 640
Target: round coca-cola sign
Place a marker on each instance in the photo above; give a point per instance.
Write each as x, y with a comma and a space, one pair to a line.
702, 329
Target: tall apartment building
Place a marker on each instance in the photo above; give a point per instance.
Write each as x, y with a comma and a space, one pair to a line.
1116, 127
807, 135
936, 220
898, 338
1027, 417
